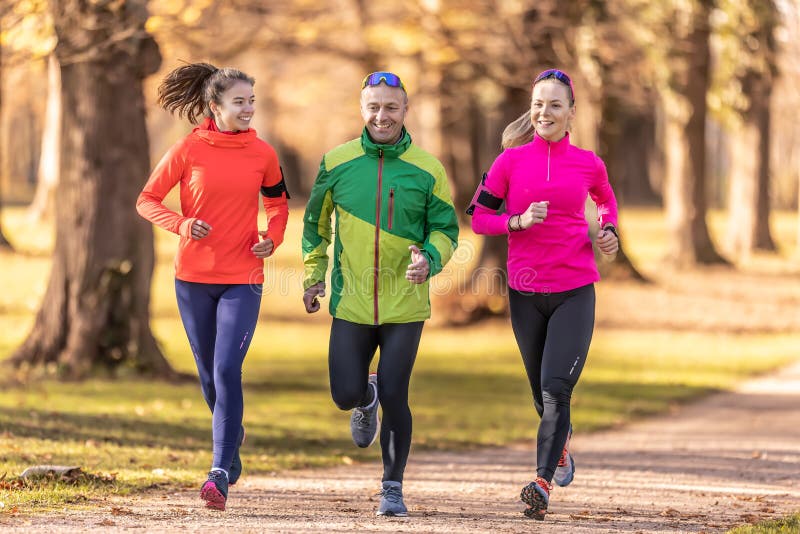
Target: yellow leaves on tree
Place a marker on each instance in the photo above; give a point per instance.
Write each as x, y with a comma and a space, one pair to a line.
171, 13
28, 29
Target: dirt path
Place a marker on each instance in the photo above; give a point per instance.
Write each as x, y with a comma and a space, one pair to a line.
729, 459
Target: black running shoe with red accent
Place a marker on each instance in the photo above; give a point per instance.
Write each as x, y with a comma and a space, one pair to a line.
537, 496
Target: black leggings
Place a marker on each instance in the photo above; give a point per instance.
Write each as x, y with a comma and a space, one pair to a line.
553, 332
352, 348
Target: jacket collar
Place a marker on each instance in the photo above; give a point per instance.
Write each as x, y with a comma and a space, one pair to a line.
389, 151
205, 132
555, 147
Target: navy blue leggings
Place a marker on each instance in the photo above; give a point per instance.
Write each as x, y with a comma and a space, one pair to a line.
553, 332
352, 347
219, 320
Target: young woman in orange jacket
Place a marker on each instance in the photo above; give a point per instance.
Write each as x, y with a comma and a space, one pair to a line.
220, 168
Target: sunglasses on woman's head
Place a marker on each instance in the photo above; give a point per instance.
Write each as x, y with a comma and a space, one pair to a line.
559, 75
389, 78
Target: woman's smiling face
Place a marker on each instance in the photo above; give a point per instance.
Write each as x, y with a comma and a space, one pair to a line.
550, 109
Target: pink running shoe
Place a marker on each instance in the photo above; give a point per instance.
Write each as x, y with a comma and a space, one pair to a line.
215, 490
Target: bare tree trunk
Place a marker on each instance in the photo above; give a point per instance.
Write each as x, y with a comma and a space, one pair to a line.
371, 59
463, 141
541, 43
685, 132
462, 146
763, 234
637, 136
749, 204
763, 108
4, 243
290, 158
42, 205
615, 153
95, 311
483, 294
743, 190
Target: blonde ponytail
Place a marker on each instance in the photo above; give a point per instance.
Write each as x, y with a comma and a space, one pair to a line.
518, 132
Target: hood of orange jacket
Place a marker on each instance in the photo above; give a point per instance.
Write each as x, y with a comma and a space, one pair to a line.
206, 131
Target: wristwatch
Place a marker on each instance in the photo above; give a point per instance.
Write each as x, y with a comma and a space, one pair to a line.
612, 229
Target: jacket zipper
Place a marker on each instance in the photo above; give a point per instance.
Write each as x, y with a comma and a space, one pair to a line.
377, 232
391, 207
548, 160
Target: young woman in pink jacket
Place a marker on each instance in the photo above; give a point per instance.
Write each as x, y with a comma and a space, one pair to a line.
544, 181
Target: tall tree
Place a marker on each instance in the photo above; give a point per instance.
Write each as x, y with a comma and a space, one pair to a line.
626, 133
748, 56
26, 28
95, 311
4, 11
529, 38
786, 144
47, 177
684, 92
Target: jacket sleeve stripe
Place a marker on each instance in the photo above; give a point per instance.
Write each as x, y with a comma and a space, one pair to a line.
317, 231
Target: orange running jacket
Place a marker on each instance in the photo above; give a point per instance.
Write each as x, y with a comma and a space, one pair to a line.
220, 176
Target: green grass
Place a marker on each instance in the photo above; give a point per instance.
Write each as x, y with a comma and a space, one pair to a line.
787, 525
468, 390
646, 230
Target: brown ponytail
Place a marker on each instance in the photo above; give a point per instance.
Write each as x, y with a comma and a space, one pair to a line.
188, 90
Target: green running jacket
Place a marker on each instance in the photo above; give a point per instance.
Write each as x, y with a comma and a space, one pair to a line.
386, 197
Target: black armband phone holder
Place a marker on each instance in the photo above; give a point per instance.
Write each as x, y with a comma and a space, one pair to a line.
275, 191
484, 198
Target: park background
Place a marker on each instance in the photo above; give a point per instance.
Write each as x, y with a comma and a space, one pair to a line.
692, 104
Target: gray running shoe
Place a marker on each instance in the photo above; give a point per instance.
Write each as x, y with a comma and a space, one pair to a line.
364, 422
565, 471
392, 500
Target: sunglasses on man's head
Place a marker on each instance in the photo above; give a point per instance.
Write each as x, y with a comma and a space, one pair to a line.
389, 78
559, 75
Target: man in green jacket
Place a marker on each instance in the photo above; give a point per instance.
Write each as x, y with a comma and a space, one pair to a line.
395, 228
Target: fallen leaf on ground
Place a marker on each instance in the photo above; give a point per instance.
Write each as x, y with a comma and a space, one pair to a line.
757, 498
750, 518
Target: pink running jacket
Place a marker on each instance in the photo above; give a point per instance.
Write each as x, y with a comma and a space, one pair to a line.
555, 255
